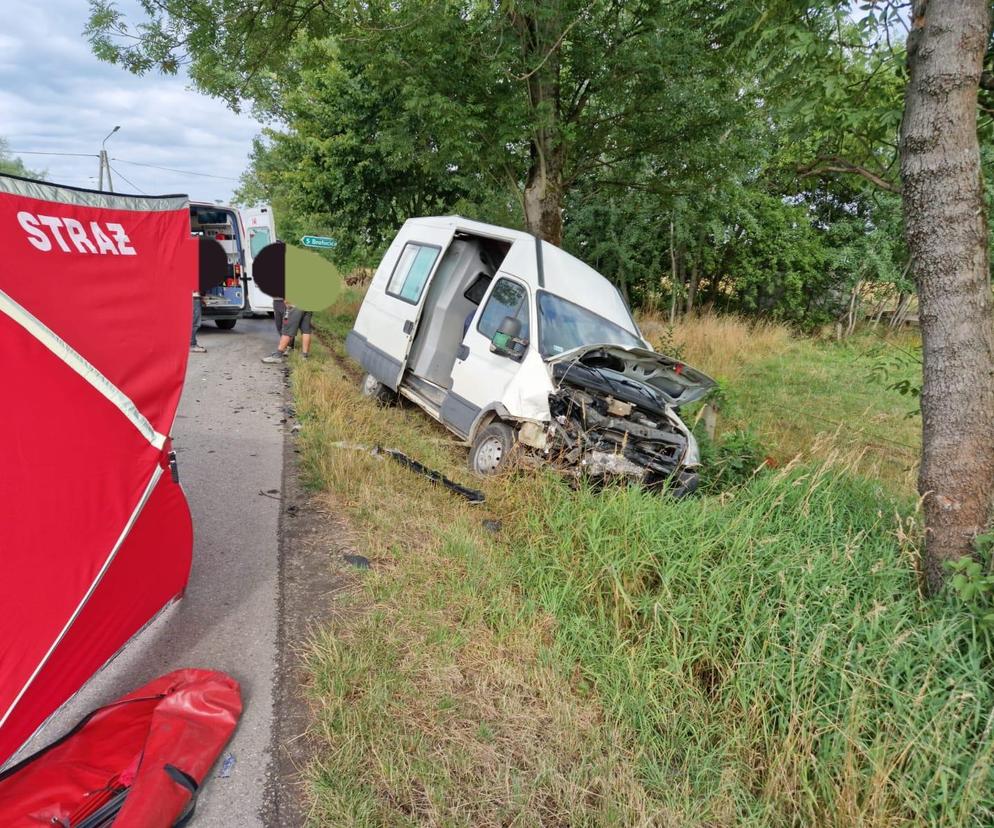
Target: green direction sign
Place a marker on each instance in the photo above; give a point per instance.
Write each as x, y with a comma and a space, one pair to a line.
318, 241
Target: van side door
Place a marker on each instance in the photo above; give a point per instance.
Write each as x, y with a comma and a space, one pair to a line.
480, 376
388, 319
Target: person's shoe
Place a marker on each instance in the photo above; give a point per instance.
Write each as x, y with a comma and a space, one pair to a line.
198, 349
304, 355
274, 358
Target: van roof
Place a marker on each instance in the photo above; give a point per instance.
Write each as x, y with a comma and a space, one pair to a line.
562, 274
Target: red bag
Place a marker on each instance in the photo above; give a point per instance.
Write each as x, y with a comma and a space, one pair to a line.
142, 757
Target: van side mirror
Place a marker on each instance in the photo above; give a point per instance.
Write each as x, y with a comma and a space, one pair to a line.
507, 339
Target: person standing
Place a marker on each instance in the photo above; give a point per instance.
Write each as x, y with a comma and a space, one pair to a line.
294, 320
279, 315
195, 347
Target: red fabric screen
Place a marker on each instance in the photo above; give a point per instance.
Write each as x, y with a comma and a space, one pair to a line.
95, 537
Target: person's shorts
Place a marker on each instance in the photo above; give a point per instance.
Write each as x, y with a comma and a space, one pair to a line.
295, 320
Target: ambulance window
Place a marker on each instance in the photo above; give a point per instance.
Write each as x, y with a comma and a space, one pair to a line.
507, 299
258, 239
412, 271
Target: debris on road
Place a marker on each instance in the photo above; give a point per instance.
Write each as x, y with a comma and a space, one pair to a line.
227, 765
472, 495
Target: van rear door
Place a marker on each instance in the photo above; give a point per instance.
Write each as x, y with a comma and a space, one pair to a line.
388, 319
260, 230
223, 225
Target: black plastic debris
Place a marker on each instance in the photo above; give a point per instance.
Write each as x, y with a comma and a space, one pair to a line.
472, 495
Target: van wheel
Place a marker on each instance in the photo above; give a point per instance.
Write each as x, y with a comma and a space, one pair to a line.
494, 449
225, 324
374, 389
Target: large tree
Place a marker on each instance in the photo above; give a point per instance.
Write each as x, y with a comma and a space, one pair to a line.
534, 94
946, 230
893, 98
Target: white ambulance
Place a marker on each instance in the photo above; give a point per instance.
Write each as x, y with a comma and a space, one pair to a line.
242, 232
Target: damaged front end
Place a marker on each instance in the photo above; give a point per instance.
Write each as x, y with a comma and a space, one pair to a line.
613, 415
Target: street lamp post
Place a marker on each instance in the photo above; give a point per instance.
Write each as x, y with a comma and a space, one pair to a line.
105, 163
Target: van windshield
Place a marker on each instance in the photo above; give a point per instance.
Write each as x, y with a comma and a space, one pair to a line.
563, 326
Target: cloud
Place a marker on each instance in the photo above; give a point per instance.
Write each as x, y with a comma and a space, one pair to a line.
55, 96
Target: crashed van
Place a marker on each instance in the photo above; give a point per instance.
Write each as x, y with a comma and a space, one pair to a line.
525, 353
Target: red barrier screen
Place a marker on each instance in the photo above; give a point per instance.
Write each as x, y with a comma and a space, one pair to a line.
95, 535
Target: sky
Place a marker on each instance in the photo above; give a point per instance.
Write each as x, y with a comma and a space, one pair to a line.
55, 96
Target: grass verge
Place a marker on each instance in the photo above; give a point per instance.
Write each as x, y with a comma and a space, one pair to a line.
759, 657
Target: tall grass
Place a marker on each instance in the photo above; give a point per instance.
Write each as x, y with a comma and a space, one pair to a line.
720, 345
770, 650
795, 392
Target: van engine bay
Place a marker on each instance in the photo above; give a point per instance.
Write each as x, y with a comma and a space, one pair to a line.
607, 424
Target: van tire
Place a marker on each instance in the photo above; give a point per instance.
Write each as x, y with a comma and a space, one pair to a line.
376, 390
225, 324
494, 449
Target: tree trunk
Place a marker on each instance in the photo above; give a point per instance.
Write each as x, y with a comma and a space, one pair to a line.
853, 309
623, 287
543, 200
946, 231
672, 277
693, 284
541, 36
903, 300
878, 311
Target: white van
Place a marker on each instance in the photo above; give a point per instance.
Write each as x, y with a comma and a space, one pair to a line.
242, 232
523, 350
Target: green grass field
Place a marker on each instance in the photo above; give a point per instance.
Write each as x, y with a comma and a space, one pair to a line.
760, 656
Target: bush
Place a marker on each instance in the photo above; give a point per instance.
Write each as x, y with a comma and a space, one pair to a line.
731, 460
972, 582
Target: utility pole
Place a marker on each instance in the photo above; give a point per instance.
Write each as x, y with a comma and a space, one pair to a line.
105, 162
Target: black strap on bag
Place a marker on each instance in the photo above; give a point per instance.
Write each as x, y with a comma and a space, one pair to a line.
184, 780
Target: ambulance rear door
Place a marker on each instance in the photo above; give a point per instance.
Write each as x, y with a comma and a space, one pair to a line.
260, 230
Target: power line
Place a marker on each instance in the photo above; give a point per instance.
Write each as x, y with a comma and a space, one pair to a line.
66, 154
124, 161
125, 180
171, 169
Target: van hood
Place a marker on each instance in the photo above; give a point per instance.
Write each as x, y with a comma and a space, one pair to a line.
636, 375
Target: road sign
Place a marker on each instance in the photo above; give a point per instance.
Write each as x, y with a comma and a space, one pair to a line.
318, 241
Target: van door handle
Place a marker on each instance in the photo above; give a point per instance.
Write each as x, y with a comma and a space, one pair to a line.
408, 326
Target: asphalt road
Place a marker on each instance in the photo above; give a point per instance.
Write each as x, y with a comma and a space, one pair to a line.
229, 443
